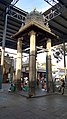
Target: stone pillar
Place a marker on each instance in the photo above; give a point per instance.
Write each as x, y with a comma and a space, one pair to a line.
48, 67
3, 47
36, 70
32, 64
18, 64
64, 61
4, 73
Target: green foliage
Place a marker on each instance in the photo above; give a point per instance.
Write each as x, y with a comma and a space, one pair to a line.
58, 52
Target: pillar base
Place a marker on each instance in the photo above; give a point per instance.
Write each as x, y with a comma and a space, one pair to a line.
32, 88
50, 86
17, 84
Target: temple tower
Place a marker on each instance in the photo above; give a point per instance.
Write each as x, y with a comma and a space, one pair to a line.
35, 33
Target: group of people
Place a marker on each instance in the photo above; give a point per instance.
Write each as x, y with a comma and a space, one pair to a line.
42, 82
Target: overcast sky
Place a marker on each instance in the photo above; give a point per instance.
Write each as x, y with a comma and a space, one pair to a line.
28, 5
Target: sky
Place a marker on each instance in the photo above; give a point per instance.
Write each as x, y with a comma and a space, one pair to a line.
28, 5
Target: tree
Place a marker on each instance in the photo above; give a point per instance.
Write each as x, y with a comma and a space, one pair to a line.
58, 51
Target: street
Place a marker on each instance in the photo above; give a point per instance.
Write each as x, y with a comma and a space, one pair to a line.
15, 106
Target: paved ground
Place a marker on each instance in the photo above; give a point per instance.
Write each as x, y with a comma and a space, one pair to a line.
15, 106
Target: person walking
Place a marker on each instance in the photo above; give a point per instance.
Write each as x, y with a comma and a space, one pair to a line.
62, 86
